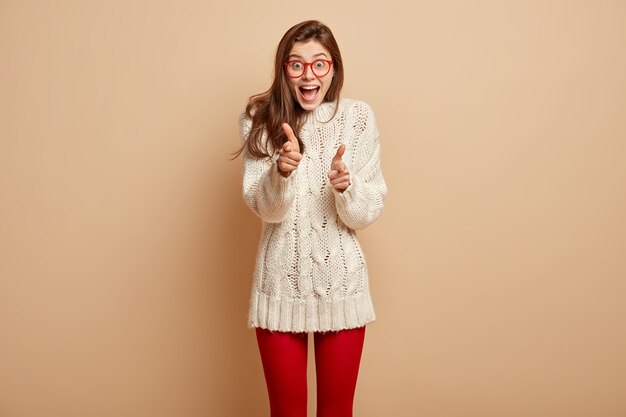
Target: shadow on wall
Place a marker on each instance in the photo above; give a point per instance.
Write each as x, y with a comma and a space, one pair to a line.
236, 370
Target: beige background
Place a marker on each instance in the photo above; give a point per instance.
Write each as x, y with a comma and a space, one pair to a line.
126, 251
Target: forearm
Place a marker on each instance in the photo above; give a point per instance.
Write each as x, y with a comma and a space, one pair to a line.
361, 203
268, 193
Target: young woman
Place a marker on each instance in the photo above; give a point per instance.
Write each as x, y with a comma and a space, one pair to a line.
312, 173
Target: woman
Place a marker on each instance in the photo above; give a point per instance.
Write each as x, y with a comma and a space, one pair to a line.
312, 173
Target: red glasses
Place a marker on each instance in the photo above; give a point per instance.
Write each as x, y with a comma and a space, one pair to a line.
296, 68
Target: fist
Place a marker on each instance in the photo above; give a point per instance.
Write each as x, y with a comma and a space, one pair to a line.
289, 155
339, 174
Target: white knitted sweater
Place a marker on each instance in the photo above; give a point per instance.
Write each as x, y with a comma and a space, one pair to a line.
310, 270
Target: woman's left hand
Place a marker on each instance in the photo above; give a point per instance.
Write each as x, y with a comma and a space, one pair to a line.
339, 174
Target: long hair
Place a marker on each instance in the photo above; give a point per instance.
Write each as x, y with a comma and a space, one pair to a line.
270, 109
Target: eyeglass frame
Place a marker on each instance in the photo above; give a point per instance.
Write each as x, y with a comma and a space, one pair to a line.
309, 64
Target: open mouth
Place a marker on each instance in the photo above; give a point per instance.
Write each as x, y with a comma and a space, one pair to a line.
309, 92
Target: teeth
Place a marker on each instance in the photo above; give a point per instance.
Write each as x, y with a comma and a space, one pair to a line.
309, 87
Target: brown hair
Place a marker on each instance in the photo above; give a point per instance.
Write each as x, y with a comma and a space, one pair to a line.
270, 109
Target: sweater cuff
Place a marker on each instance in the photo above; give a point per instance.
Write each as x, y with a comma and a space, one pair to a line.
282, 184
349, 194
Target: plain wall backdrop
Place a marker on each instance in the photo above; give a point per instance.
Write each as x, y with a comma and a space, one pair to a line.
497, 269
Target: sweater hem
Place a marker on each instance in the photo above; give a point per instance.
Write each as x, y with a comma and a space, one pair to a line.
310, 315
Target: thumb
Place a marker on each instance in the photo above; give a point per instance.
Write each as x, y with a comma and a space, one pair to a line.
291, 137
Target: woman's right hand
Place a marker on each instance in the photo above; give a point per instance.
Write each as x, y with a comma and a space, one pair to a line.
289, 156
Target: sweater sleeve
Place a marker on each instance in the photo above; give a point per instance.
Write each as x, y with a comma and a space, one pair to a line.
362, 202
267, 193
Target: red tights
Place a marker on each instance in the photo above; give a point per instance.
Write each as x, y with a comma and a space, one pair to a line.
337, 358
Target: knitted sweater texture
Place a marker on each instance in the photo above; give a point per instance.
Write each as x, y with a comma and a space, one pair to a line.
310, 270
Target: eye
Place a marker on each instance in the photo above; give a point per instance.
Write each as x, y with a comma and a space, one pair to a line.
296, 65
320, 64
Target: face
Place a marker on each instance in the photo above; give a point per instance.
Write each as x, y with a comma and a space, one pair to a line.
309, 89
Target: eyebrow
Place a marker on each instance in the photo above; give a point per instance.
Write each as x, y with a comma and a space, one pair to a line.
314, 56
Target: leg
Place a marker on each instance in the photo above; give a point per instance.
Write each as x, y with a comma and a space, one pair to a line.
337, 359
284, 357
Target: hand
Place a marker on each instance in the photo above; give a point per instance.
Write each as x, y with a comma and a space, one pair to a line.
289, 156
339, 174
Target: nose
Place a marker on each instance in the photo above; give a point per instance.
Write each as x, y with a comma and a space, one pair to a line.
308, 73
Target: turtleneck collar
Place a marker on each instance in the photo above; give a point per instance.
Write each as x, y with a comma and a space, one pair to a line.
322, 113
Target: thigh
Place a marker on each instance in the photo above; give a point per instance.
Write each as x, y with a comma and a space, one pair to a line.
284, 358
337, 359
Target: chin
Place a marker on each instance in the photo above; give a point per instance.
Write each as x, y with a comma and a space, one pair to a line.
309, 106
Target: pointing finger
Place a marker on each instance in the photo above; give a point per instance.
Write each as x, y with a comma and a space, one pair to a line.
291, 136
340, 151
